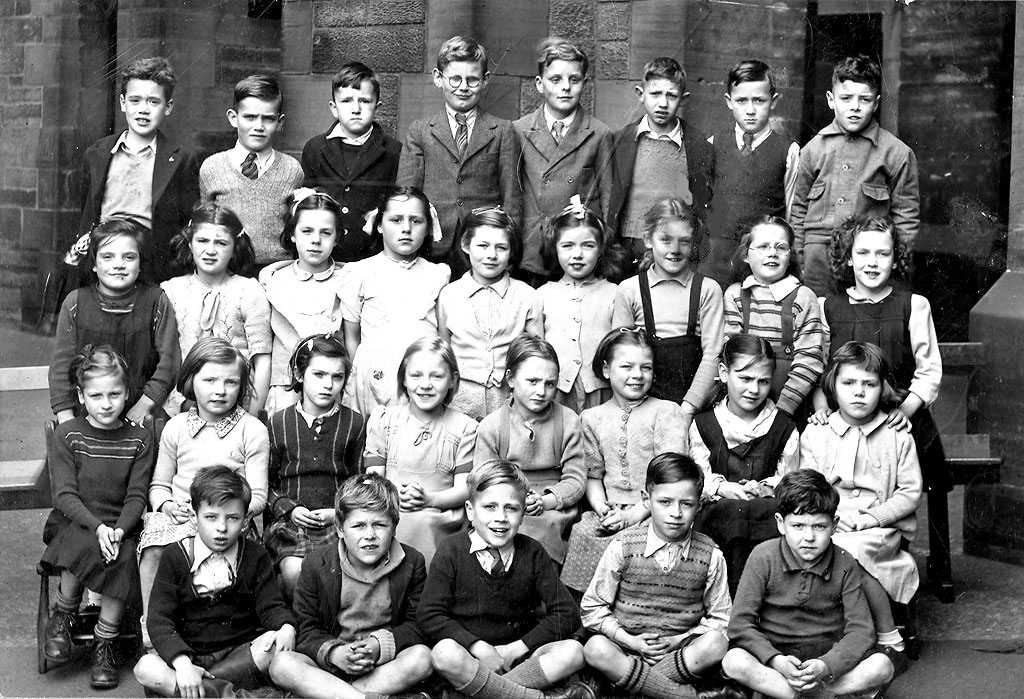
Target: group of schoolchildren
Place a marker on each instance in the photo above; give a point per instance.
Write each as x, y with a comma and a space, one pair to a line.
509, 476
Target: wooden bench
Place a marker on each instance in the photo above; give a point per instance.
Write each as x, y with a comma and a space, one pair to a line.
26, 405
967, 453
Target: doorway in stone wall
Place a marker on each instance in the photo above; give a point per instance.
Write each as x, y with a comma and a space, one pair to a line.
830, 38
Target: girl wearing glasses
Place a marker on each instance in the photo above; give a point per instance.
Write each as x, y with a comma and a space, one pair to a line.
769, 301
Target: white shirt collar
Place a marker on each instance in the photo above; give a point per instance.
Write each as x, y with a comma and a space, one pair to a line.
310, 419
675, 135
655, 543
477, 544
732, 423
499, 287
759, 137
239, 153
201, 552
550, 120
338, 132
470, 119
779, 290
305, 276
655, 278
122, 140
841, 426
857, 297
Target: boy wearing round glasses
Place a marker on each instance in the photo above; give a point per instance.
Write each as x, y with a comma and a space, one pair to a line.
461, 157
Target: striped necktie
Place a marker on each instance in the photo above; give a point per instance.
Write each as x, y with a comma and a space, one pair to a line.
461, 133
249, 168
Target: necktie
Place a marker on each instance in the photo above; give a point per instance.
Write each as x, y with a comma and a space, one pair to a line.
249, 168
497, 567
748, 144
557, 130
461, 133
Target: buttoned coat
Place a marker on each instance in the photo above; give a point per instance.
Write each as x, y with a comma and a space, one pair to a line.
551, 173
486, 175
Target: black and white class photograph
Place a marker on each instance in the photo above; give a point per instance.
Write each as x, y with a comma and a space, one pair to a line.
512, 349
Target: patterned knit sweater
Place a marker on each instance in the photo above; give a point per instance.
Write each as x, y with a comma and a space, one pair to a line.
308, 466
261, 204
766, 322
652, 599
660, 171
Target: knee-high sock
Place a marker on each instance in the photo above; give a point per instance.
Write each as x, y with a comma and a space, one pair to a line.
673, 666
644, 680
488, 685
529, 674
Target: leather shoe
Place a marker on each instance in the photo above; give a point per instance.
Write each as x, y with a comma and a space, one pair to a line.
104, 666
59, 628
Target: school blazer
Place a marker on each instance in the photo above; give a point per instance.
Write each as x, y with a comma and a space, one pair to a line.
175, 192
485, 176
357, 190
550, 174
318, 601
700, 162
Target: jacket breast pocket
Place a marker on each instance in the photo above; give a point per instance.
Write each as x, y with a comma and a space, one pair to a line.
876, 198
817, 202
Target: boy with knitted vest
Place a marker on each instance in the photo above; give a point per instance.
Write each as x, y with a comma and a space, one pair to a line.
253, 179
853, 166
801, 625
659, 601
755, 166
502, 620
356, 604
658, 156
216, 615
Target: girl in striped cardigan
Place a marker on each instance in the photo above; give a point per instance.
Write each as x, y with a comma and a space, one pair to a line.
769, 301
314, 446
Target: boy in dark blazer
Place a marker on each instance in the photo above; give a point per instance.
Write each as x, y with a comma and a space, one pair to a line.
140, 173
462, 157
356, 604
564, 151
658, 156
354, 161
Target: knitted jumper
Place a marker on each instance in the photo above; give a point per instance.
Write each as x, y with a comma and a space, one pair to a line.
651, 599
660, 171
183, 623
261, 204
306, 467
747, 187
244, 450
766, 321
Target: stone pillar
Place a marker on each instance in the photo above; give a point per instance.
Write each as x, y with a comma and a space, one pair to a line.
994, 514
54, 100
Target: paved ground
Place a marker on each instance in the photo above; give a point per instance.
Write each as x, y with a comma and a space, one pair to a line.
973, 648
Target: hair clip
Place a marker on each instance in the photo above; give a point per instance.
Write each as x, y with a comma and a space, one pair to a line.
435, 223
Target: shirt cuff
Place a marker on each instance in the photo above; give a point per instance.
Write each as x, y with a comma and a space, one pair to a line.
559, 502
323, 654
388, 650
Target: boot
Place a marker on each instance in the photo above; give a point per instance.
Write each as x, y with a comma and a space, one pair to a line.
104, 666
59, 628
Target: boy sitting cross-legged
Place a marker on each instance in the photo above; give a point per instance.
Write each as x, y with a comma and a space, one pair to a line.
356, 604
659, 601
216, 615
502, 620
801, 624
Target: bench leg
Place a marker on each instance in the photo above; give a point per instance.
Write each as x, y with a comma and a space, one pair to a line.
940, 572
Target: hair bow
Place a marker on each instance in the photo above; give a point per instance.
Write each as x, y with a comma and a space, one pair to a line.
301, 194
78, 250
435, 223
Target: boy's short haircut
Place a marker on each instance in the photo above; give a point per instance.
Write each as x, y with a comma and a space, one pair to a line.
262, 87
366, 492
751, 71
858, 69
555, 48
353, 74
216, 485
497, 473
806, 492
665, 68
461, 48
157, 69
672, 467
